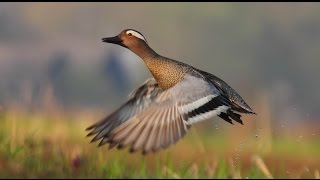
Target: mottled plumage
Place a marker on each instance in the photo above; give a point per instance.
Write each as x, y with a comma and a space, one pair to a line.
163, 108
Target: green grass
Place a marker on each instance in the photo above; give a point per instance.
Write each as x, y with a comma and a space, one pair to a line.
40, 146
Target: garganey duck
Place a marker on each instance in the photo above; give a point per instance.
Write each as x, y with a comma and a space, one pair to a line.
163, 108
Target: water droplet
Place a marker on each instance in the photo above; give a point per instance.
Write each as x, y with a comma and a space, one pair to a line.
306, 169
288, 172
282, 126
256, 135
260, 128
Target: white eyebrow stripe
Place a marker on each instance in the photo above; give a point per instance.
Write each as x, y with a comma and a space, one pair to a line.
136, 34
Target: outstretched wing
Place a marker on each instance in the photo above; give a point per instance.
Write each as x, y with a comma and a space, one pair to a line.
149, 120
158, 127
140, 98
166, 119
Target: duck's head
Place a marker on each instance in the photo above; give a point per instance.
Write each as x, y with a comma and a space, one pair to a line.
128, 38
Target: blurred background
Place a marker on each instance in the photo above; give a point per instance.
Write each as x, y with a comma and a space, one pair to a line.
52, 59
56, 49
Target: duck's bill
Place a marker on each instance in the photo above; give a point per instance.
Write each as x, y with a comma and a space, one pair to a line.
114, 40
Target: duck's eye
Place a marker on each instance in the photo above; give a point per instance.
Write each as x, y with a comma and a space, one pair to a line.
129, 34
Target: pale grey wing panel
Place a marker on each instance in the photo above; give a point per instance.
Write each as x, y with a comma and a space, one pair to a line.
140, 99
201, 101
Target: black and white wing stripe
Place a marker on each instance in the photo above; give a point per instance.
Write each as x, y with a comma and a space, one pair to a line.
208, 107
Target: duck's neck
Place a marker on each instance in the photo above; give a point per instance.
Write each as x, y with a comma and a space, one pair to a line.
144, 51
166, 71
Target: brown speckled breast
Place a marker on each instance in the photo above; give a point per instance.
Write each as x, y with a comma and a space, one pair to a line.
167, 72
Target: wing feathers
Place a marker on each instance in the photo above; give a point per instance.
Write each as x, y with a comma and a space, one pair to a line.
153, 119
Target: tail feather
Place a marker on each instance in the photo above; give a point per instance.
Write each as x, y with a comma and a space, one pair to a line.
235, 116
225, 117
230, 114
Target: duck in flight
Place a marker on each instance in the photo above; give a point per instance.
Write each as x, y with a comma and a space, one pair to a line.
161, 111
